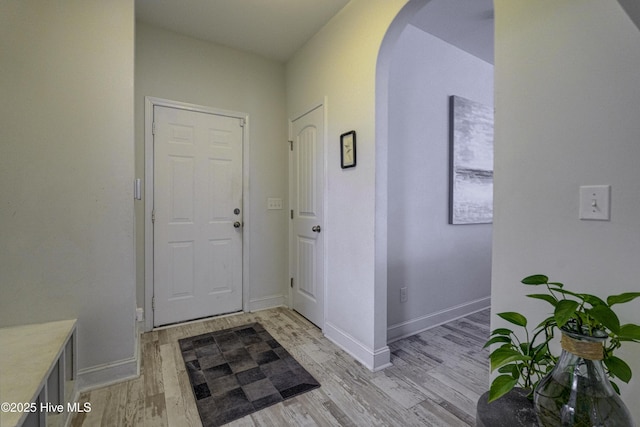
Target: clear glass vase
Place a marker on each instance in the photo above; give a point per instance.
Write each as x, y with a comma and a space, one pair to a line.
577, 392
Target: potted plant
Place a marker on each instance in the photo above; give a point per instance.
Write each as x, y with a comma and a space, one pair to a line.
575, 387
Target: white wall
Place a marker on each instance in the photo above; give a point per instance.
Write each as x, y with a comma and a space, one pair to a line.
66, 173
567, 103
340, 62
446, 268
180, 68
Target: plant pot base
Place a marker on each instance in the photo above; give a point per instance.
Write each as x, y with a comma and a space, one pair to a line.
511, 410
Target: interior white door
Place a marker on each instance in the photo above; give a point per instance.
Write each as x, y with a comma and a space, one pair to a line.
197, 225
307, 192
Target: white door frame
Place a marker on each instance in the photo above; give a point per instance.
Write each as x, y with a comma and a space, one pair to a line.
325, 203
149, 103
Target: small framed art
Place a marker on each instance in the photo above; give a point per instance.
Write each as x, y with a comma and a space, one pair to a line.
348, 149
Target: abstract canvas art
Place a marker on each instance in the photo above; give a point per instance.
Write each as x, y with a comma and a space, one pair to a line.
471, 153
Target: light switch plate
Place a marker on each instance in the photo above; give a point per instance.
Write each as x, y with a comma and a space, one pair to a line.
274, 203
595, 202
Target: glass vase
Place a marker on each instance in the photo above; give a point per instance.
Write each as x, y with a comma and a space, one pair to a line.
577, 392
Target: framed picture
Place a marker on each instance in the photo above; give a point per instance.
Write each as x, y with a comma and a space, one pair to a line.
471, 147
348, 149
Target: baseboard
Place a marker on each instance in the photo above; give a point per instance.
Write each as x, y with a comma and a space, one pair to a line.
108, 374
266, 302
373, 360
415, 326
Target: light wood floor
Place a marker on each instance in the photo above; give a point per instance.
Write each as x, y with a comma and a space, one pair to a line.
436, 379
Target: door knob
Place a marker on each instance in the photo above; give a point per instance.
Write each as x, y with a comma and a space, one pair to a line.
237, 224
316, 229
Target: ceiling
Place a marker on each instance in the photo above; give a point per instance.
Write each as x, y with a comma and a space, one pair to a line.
272, 28
276, 29
466, 24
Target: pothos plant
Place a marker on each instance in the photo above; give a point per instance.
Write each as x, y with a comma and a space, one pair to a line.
525, 361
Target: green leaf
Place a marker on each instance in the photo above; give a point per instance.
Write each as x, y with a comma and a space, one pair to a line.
549, 362
497, 339
566, 292
502, 331
536, 279
622, 298
508, 369
555, 284
505, 355
515, 318
606, 316
564, 311
618, 368
629, 332
501, 386
549, 321
592, 299
545, 297
541, 351
615, 387
512, 369
515, 370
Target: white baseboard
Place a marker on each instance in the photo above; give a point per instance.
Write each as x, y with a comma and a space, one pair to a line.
266, 302
113, 372
415, 326
373, 360
107, 374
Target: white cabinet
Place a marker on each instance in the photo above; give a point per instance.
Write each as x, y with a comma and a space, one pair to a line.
38, 368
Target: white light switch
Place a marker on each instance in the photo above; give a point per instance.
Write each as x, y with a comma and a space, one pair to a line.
595, 201
274, 203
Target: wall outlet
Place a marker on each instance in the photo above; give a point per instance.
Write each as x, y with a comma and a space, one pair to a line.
274, 203
139, 314
403, 294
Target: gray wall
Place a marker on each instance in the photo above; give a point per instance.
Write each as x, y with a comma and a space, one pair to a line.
567, 104
66, 174
339, 62
446, 268
180, 68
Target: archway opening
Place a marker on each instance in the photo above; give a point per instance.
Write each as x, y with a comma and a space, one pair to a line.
427, 270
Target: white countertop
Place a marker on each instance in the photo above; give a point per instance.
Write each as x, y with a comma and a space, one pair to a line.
27, 355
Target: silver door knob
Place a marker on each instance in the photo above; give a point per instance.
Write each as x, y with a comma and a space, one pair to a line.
237, 224
316, 229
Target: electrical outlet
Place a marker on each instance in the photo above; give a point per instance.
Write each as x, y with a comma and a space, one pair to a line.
403, 294
139, 314
274, 203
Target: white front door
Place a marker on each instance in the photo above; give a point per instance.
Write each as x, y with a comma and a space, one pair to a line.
197, 225
306, 198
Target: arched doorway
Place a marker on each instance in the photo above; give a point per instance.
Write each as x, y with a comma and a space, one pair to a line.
444, 269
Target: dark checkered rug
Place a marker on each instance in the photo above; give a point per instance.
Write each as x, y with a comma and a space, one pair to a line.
237, 371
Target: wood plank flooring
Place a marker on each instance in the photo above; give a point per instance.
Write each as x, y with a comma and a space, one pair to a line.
436, 379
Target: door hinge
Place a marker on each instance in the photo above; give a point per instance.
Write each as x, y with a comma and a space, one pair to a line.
153, 216
291, 213
153, 128
153, 303
292, 282
242, 122
291, 145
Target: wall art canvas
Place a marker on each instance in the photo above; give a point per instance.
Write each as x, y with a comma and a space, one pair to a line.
471, 147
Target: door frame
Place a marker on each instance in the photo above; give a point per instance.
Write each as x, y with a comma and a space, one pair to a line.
149, 104
325, 203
